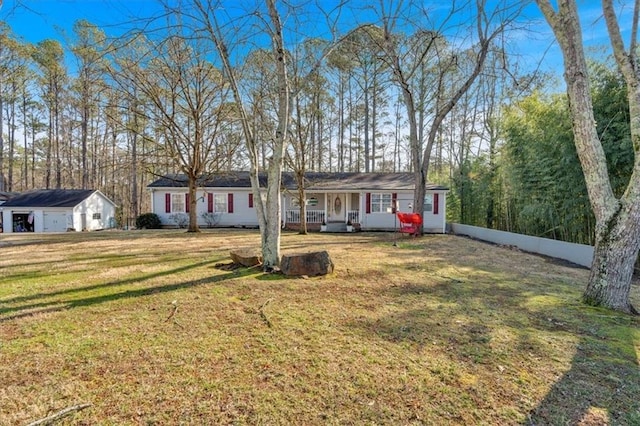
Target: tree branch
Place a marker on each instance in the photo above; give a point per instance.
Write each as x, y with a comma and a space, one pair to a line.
59, 415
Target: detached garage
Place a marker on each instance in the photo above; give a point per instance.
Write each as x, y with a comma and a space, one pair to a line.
58, 210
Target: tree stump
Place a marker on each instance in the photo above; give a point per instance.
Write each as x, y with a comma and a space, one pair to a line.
312, 263
246, 257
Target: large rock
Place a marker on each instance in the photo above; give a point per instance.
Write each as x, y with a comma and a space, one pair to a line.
312, 263
246, 257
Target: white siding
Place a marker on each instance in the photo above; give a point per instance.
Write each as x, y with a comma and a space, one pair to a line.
435, 222
99, 213
242, 214
374, 221
6, 221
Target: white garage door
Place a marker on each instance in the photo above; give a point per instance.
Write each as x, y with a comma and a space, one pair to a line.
55, 222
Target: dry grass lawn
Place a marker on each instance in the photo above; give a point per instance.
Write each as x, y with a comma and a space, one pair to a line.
439, 330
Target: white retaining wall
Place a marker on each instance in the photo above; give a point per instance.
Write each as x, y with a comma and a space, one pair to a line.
580, 254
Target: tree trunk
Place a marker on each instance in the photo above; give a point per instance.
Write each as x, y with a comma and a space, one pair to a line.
271, 230
615, 254
302, 200
617, 228
367, 147
57, 149
84, 135
193, 205
49, 148
11, 116
374, 119
25, 169
134, 209
2, 183
271, 241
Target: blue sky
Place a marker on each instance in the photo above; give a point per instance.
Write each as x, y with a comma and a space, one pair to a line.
35, 20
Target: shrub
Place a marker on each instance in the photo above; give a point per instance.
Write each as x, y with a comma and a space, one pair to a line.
180, 219
212, 219
148, 221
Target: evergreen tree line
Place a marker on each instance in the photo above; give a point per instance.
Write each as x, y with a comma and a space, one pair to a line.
533, 183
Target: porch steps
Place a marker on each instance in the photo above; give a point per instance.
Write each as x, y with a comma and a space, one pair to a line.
336, 227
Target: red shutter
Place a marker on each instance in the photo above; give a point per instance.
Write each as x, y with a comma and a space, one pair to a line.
368, 201
167, 203
250, 200
210, 203
435, 203
230, 203
186, 203
394, 202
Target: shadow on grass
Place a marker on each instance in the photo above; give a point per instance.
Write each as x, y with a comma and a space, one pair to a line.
602, 383
59, 305
21, 299
601, 387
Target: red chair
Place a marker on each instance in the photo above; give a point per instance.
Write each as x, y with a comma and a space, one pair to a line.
410, 223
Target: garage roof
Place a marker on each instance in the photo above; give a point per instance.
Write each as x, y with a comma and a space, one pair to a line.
49, 198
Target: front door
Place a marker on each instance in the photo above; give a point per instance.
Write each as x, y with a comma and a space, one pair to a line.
336, 209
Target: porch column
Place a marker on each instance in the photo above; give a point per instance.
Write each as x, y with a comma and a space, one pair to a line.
362, 209
326, 205
283, 210
347, 206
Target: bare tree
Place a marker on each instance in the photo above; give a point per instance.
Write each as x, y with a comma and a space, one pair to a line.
205, 15
49, 56
405, 57
8, 54
87, 85
185, 95
357, 57
305, 118
13, 78
268, 211
617, 219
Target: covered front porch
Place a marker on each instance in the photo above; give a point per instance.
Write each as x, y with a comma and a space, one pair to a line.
325, 212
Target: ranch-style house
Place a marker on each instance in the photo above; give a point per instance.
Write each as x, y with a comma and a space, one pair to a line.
365, 201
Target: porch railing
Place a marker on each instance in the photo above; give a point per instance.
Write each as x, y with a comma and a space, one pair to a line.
317, 216
313, 216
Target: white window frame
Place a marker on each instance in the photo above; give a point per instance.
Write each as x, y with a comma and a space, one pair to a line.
178, 200
428, 203
220, 203
381, 202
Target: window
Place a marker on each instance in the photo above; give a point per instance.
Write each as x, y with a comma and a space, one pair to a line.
381, 203
428, 202
220, 203
177, 203
97, 216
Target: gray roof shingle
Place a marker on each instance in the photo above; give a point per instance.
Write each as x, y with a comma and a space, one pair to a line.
49, 198
317, 181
